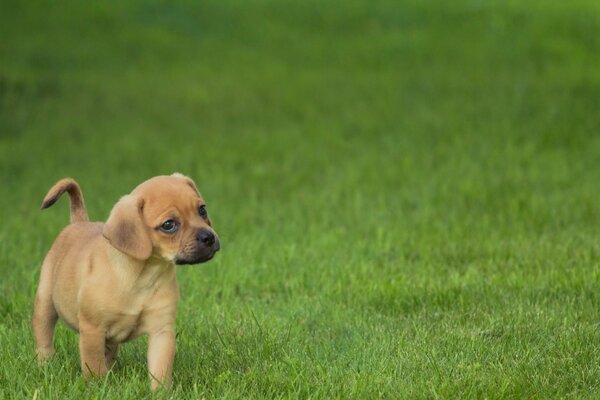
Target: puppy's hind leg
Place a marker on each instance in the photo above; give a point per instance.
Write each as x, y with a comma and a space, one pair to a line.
44, 320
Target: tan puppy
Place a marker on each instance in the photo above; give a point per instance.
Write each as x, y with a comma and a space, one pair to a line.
115, 281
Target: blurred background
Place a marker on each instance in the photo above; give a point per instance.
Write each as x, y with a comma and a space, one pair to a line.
384, 175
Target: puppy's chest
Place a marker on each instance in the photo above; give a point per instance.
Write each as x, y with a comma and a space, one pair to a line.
139, 316
150, 303
124, 327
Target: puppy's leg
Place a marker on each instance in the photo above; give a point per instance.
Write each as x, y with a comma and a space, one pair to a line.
110, 353
44, 320
91, 348
161, 353
44, 313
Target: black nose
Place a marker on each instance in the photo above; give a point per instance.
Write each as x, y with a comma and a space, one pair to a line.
206, 237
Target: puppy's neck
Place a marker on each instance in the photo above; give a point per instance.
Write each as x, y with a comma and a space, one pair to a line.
155, 272
150, 273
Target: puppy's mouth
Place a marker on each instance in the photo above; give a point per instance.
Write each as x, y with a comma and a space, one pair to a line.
190, 261
197, 258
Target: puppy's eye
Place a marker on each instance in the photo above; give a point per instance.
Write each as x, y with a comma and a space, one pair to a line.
169, 226
202, 211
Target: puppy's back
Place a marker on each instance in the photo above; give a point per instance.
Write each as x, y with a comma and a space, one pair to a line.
72, 244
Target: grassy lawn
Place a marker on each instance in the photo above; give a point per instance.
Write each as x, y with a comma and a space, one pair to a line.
407, 194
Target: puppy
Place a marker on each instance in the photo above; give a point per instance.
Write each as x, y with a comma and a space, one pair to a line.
115, 281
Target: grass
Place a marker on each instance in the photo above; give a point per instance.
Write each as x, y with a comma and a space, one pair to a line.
406, 192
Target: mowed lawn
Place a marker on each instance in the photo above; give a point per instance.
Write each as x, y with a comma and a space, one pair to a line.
407, 192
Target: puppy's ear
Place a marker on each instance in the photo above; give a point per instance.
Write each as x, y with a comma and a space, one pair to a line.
125, 228
187, 180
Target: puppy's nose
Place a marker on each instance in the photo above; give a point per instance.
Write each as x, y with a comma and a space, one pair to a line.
206, 237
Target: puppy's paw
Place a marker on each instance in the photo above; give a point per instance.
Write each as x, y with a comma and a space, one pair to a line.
156, 385
43, 355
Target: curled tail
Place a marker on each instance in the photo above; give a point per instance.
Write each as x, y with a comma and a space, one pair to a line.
78, 211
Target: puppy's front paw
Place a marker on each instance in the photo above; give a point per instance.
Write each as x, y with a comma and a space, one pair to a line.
43, 355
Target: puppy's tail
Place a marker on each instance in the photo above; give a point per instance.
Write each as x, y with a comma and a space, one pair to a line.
78, 211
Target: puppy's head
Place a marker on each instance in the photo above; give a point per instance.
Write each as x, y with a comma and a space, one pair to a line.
164, 217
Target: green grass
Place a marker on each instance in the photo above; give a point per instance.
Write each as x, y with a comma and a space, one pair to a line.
406, 191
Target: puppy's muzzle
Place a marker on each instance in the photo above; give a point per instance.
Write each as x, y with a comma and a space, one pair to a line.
204, 246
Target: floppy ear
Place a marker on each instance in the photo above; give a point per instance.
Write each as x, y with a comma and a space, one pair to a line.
187, 180
125, 229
